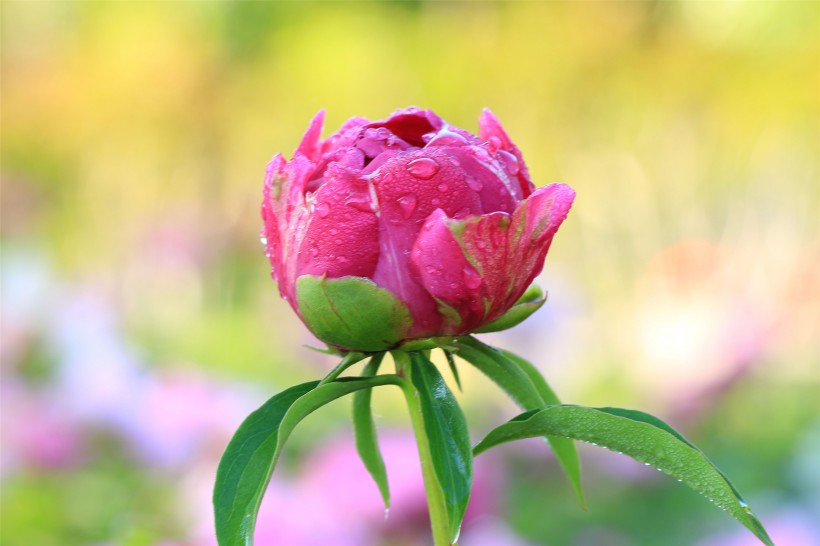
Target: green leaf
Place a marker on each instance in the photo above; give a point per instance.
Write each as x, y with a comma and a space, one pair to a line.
525, 385
251, 455
532, 300
564, 448
243, 472
448, 438
642, 437
365, 430
352, 312
453, 369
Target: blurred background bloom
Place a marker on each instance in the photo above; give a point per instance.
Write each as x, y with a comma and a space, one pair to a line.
139, 324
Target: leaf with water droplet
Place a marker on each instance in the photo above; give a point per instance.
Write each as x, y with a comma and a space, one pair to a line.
642, 437
519, 379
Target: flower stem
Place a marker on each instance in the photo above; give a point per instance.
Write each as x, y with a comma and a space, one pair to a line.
435, 499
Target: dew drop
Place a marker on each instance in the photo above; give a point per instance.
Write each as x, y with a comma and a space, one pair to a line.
435, 202
445, 137
510, 161
360, 203
443, 187
474, 184
263, 240
423, 167
322, 209
471, 278
407, 203
494, 142
314, 251
480, 154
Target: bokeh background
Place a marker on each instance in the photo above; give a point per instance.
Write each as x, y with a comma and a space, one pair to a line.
140, 324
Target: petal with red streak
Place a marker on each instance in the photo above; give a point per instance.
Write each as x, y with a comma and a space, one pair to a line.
478, 267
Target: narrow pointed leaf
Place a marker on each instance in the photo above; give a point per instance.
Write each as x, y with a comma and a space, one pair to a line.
241, 477
367, 443
525, 385
642, 437
564, 448
453, 369
448, 439
251, 455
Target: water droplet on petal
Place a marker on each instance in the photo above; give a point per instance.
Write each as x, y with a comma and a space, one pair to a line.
474, 184
494, 142
471, 278
408, 204
443, 187
314, 251
360, 203
435, 202
322, 209
263, 240
423, 167
480, 154
510, 162
445, 137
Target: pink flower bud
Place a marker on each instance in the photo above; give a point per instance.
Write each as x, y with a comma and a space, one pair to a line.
406, 228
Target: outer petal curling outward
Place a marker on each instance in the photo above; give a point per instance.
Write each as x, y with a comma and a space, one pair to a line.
476, 268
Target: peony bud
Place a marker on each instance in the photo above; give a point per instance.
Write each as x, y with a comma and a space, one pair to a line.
407, 228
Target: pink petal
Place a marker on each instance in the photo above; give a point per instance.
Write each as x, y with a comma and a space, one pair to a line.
341, 236
411, 124
478, 267
490, 130
309, 147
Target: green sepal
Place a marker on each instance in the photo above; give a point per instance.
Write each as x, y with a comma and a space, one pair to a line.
532, 300
367, 444
447, 436
640, 436
352, 312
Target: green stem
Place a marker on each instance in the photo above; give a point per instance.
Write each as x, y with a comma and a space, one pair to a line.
435, 499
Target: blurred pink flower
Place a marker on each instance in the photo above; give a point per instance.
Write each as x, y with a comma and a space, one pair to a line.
35, 433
